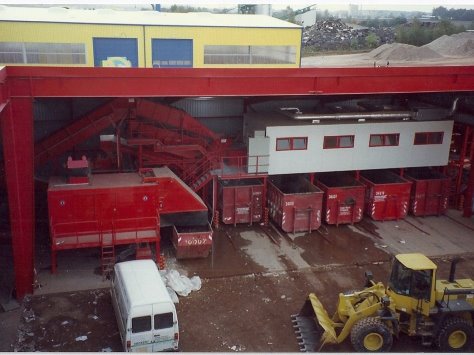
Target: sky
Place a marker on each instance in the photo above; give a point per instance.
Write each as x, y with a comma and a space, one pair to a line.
407, 5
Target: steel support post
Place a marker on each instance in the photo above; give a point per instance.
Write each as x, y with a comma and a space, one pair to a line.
467, 210
18, 150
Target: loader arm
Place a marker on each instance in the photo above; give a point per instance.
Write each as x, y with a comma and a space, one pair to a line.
350, 309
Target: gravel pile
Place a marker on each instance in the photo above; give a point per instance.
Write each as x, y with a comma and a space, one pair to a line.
457, 45
400, 51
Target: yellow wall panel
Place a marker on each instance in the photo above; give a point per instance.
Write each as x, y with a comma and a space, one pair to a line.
201, 36
70, 33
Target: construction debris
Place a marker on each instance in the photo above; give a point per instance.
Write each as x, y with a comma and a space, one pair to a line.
334, 34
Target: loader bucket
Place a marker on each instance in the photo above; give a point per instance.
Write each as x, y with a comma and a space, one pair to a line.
312, 325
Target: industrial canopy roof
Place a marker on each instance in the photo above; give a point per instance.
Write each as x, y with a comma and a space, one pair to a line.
151, 18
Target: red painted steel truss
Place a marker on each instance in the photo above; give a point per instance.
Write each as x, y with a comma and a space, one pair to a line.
20, 85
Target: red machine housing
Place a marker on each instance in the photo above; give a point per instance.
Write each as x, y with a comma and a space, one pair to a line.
343, 201
387, 195
240, 201
294, 203
429, 192
120, 208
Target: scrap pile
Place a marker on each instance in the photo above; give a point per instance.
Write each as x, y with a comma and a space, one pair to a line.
334, 34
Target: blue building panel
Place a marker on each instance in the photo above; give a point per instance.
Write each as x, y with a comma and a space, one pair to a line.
172, 53
115, 52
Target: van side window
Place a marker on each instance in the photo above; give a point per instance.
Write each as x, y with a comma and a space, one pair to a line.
141, 324
163, 321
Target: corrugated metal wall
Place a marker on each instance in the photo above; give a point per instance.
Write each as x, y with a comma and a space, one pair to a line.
211, 107
200, 36
222, 115
52, 114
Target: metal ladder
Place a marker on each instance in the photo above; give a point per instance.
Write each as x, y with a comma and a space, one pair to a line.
107, 257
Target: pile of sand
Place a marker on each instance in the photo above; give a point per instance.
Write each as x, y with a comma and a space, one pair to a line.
458, 45
399, 51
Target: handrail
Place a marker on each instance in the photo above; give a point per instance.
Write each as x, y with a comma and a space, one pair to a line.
243, 166
114, 229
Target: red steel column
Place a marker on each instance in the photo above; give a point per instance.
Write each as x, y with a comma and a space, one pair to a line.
470, 184
18, 150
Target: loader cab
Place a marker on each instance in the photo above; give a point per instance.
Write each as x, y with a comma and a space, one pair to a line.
411, 283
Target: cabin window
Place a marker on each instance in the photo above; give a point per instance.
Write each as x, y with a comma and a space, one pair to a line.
163, 321
331, 142
384, 140
292, 143
141, 324
422, 138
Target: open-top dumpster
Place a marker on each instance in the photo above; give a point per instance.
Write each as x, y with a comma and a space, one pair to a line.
192, 241
343, 199
240, 201
387, 194
294, 203
429, 191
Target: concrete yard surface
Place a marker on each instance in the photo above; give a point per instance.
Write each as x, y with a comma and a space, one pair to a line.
256, 278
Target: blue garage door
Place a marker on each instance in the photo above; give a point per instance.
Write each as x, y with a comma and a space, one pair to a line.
115, 52
172, 53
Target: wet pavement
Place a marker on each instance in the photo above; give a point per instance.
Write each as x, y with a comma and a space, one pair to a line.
255, 278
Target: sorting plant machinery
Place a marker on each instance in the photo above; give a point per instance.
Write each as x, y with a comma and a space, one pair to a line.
210, 125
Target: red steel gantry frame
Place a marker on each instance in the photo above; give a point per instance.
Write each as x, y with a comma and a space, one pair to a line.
19, 86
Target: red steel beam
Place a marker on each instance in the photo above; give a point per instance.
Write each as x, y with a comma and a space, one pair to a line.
17, 129
149, 82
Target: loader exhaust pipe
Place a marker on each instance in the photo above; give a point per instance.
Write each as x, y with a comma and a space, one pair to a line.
452, 271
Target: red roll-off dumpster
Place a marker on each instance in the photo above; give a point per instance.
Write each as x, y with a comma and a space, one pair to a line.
294, 203
387, 195
240, 201
343, 200
429, 192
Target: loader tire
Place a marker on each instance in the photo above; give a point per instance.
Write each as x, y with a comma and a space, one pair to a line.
371, 335
456, 334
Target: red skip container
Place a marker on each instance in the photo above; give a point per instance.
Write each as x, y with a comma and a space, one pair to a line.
294, 203
343, 201
387, 195
429, 192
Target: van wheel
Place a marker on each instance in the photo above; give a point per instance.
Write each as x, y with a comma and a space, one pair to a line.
456, 334
371, 335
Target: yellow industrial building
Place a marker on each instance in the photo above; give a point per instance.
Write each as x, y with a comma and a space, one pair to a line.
61, 37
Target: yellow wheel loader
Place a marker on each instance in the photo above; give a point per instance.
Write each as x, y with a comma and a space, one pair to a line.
438, 312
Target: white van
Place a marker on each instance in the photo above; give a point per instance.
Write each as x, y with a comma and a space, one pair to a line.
146, 315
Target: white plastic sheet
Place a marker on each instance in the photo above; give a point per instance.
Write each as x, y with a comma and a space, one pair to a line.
180, 284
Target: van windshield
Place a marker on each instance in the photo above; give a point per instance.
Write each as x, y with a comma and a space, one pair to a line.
141, 324
164, 320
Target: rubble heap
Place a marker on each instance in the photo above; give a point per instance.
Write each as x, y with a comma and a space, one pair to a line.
334, 34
